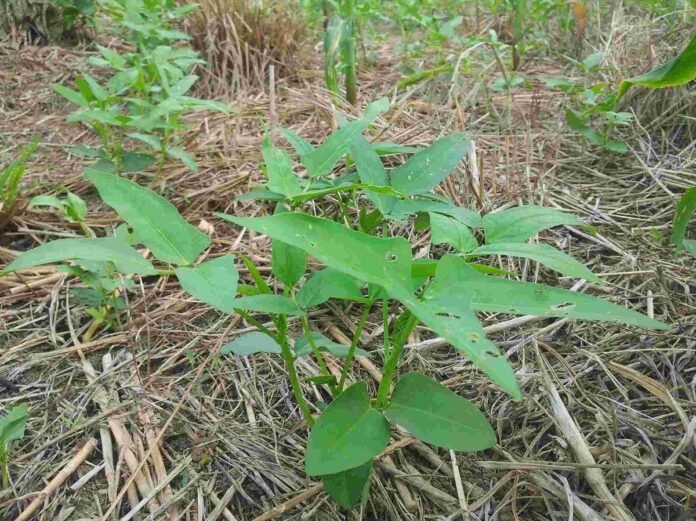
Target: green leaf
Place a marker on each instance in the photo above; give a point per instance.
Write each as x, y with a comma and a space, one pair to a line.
576, 122
136, 162
405, 207
522, 222
213, 282
301, 145
260, 193
268, 304
383, 148
326, 284
153, 142
543, 253
426, 169
447, 230
677, 71
76, 208
288, 263
347, 487
685, 209
348, 434
434, 414
385, 262
12, 425
80, 150
321, 160
322, 379
324, 344
525, 298
250, 344
124, 258
46, 200
183, 156
281, 178
155, 221
371, 171
71, 95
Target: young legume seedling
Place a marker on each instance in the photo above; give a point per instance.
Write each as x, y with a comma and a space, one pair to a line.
366, 263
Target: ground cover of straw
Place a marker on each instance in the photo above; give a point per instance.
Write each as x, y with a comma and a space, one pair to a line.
229, 429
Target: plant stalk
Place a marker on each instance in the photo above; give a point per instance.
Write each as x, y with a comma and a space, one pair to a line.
353, 346
289, 358
399, 339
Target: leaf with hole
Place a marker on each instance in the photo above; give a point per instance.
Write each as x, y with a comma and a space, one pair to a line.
434, 414
426, 169
213, 282
349, 433
155, 221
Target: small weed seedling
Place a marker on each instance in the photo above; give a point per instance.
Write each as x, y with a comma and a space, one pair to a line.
365, 263
72, 206
11, 429
10, 177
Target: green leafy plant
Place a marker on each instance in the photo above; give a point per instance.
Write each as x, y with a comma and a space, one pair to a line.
147, 93
10, 177
12, 427
72, 206
340, 39
366, 260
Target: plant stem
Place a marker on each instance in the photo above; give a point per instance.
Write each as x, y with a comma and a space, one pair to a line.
353, 346
348, 52
246, 316
289, 359
399, 340
317, 354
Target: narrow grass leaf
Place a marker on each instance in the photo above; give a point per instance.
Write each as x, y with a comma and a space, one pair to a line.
685, 209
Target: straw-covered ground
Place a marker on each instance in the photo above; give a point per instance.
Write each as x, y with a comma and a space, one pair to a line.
225, 432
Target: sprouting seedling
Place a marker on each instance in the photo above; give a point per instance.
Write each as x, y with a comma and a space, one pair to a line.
72, 206
10, 178
11, 429
441, 293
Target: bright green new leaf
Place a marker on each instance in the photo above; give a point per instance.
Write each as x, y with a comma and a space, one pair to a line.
371, 171
71, 95
678, 71
522, 222
213, 282
448, 230
543, 253
426, 169
12, 425
321, 160
288, 263
525, 298
434, 414
324, 344
250, 344
685, 209
385, 262
108, 249
281, 178
384, 148
349, 433
268, 304
326, 284
347, 487
155, 221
